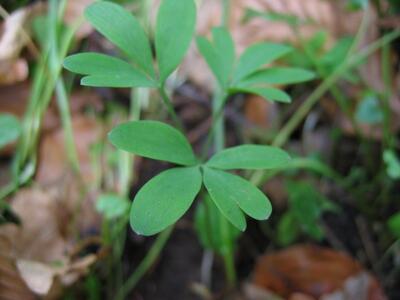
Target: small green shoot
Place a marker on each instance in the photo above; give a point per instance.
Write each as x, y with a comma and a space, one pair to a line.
247, 74
306, 206
175, 18
166, 197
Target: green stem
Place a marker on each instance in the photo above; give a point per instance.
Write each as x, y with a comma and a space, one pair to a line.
125, 171
145, 264
225, 13
387, 80
219, 144
170, 108
353, 61
62, 100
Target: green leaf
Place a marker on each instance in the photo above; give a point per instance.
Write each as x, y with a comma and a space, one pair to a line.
229, 191
335, 56
316, 43
164, 199
252, 157
174, 30
307, 206
392, 164
394, 225
357, 4
270, 94
277, 76
288, 229
108, 71
123, 30
219, 54
229, 209
369, 110
10, 129
112, 206
288, 19
257, 56
154, 140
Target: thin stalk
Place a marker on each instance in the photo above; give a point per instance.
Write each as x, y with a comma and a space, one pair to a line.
44, 83
226, 9
145, 264
62, 100
387, 80
56, 12
353, 61
125, 172
219, 144
170, 108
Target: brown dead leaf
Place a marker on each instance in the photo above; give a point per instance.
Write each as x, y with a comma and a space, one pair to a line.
12, 286
44, 248
260, 112
13, 39
316, 272
53, 163
74, 12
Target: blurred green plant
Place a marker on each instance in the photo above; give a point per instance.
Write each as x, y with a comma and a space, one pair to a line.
306, 206
166, 197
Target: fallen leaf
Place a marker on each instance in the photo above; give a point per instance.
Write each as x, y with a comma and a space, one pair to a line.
12, 286
315, 272
44, 248
13, 40
53, 162
74, 13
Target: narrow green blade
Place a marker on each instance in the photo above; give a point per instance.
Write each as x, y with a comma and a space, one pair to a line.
154, 140
277, 76
174, 31
107, 71
252, 157
257, 56
228, 190
122, 29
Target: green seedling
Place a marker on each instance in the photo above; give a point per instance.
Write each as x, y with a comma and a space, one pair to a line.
174, 31
247, 73
306, 206
166, 197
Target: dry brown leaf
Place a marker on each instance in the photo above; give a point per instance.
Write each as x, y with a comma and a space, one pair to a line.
12, 286
13, 38
53, 162
260, 112
74, 13
316, 272
253, 292
44, 248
